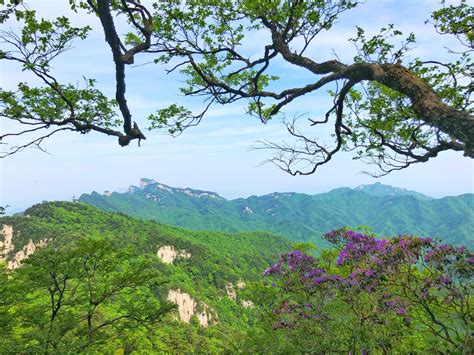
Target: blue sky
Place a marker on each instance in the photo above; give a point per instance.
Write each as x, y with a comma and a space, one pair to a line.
215, 155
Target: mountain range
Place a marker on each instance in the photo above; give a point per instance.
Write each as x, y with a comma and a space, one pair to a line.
386, 210
75, 276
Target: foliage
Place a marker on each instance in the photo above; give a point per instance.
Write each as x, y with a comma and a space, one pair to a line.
98, 285
372, 295
455, 20
389, 109
81, 297
383, 121
382, 106
54, 106
300, 217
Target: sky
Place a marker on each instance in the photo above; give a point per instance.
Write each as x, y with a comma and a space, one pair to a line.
216, 155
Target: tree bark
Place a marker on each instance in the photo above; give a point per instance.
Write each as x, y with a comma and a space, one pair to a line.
459, 125
428, 105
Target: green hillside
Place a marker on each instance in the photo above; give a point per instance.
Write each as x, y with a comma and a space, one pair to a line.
76, 231
386, 210
75, 279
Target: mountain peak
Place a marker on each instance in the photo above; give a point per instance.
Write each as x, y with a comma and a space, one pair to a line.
379, 189
144, 182
151, 187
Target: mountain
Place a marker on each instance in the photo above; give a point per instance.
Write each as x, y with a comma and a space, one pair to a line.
379, 189
300, 217
59, 223
203, 272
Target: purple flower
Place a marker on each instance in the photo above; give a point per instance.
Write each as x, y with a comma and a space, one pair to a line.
369, 273
444, 280
401, 311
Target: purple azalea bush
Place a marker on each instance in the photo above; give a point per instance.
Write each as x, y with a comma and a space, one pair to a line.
402, 291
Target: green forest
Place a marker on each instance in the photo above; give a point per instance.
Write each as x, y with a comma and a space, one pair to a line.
104, 266
299, 217
96, 283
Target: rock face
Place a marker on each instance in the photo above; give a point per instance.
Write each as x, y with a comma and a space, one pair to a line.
168, 254
187, 307
247, 304
231, 293
149, 185
28, 249
7, 247
231, 290
247, 210
145, 182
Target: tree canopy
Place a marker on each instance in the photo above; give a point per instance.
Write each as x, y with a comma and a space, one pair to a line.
388, 108
403, 294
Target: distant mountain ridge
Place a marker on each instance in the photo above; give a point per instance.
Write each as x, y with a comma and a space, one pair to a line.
385, 209
379, 189
146, 184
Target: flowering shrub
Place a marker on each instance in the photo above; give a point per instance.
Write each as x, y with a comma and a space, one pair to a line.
382, 287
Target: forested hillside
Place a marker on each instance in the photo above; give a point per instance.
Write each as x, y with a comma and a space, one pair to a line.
77, 279
299, 217
56, 250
